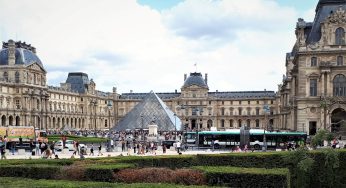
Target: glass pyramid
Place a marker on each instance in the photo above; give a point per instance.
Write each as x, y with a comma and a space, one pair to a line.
152, 110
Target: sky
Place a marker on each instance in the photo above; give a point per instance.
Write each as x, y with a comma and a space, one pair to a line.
144, 45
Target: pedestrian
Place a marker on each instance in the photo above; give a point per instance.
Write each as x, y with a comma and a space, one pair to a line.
51, 147
100, 152
92, 149
112, 145
164, 148
20, 141
37, 147
178, 146
13, 147
123, 145
3, 152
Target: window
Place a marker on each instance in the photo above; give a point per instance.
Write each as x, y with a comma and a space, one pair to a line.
339, 85
340, 60
209, 102
5, 76
257, 123
231, 111
239, 123
313, 87
222, 123
38, 104
271, 102
248, 102
17, 104
239, 102
231, 123
105, 123
222, 111
314, 61
248, 123
340, 36
257, 102
240, 109
222, 102
257, 111
17, 77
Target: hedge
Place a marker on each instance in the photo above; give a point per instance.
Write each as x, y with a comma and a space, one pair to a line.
29, 183
247, 160
104, 172
61, 162
173, 161
30, 171
246, 177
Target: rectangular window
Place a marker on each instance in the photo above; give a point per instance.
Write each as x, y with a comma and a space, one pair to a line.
314, 61
257, 111
313, 87
17, 104
340, 60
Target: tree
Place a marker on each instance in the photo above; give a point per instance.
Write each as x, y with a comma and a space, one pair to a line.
320, 136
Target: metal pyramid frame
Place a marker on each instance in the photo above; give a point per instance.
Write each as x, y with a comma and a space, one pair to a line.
152, 110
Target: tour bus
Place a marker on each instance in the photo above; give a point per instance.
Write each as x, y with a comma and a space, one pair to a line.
231, 138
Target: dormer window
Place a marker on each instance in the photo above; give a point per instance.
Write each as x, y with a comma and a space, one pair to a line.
314, 61
340, 36
340, 60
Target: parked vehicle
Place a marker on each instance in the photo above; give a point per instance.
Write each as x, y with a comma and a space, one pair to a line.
69, 144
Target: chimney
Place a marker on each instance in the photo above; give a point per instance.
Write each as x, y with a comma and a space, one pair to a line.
176, 91
131, 91
114, 90
185, 77
206, 78
11, 52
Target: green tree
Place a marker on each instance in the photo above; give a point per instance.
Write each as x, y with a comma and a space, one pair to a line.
320, 136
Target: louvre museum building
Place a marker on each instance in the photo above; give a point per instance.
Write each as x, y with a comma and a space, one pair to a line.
311, 95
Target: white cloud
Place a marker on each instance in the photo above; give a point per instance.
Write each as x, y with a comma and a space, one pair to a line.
241, 44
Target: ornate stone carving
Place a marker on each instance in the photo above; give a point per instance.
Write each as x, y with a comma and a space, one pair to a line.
314, 46
338, 17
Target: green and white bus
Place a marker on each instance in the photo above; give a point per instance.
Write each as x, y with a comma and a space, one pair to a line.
231, 138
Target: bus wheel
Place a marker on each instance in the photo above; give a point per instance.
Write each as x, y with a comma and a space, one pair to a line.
257, 147
216, 146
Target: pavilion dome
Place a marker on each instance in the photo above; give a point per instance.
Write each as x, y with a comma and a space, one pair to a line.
195, 79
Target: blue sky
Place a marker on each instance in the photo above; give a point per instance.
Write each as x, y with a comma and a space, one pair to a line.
145, 45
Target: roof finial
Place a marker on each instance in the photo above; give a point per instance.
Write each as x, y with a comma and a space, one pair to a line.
195, 67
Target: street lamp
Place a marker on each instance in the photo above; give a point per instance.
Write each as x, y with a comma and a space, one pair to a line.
142, 128
109, 106
93, 105
175, 125
266, 111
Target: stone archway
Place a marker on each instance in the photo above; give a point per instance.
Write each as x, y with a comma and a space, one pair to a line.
10, 120
3, 120
338, 120
17, 121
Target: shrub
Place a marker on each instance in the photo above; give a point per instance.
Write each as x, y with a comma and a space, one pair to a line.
161, 175
104, 172
30, 171
73, 172
246, 177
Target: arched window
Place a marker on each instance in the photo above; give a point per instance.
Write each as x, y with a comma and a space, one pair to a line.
340, 36
314, 61
248, 123
340, 60
17, 77
222, 123
257, 123
5, 76
240, 109
239, 123
231, 123
339, 85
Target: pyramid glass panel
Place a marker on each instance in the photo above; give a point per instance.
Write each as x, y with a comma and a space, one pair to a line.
152, 110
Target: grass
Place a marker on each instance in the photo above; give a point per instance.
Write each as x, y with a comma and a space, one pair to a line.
80, 139
30, 183
111, 166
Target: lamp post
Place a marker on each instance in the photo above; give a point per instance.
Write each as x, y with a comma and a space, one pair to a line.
93, 106
109, 106
175, 125
266, 110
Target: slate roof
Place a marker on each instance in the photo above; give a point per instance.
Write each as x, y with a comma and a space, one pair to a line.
141, 96
323, 10
23, 56
78, 81
195, 79
243, 94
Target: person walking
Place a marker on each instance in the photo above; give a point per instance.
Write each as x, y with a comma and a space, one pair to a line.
100, 152
92, 149
178, 146
123, 145
3, 152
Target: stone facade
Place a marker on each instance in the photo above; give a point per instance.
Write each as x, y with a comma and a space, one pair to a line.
312, 95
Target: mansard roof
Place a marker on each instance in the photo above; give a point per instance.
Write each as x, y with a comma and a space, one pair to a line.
324, 9
78, 81
195, 78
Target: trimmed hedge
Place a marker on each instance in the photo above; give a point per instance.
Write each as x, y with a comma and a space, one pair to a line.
61, 162
29, 183
246, 160
30, 171
173, 161
104, 172
246, 177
